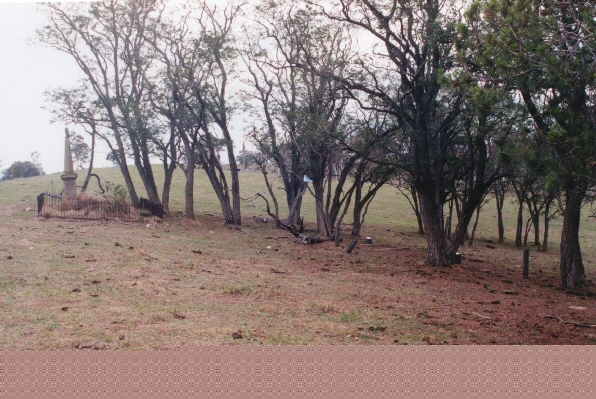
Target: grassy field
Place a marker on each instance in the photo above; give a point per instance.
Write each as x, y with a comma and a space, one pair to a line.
107, 284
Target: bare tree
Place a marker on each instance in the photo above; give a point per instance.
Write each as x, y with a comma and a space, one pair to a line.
303, 111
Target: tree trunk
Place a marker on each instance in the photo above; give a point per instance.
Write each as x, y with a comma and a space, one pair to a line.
417, 212
189, 186
235, 178
358, 206
167, 185
500, 225
134, 198
572, 267
146, 172
169, 169
323, 226
474, 228
546, 224
520, 225
432, 216
90, 171
294, 213
536, 222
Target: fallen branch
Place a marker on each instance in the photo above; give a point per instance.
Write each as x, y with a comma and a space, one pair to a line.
574, 323
276, 271
397, 249
304, 238
118, 220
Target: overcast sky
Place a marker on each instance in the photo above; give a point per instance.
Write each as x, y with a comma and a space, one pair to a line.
26, 71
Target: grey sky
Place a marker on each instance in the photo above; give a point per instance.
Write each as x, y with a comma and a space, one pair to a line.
26, 71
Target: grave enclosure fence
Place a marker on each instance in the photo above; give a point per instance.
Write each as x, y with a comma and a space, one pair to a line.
51, 206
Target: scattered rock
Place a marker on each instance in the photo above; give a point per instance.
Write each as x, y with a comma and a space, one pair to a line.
202, 287
495, 302
28, 332
197, 251
86, 243
121, 337
325, 269
487, 271
237, 335
508, 281
178, 315
95, 282
577, 308
117, 244
131, 247
9, 257
90, 270
69, 256
76, 290
94, 295
27, 209
490, 246
91, 260
376, 328
507, 292
515, 304
97, 345
268, 247
420, 281
64, 308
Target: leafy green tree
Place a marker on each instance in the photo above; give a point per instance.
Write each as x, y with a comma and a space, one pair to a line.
445, 124
543, 52
81, 152
21, 169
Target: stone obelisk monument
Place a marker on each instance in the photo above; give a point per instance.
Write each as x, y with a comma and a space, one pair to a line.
69, 177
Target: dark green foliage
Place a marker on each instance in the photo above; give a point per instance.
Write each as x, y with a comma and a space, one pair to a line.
21, 169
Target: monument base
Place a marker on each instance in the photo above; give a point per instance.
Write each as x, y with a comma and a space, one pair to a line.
70, 185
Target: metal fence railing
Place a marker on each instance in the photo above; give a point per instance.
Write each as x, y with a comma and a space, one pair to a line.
92, 209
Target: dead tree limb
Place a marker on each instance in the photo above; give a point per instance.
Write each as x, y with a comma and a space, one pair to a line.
574, 323
296, 232
98, 183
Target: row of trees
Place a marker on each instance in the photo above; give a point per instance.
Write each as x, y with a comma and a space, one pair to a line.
345, 97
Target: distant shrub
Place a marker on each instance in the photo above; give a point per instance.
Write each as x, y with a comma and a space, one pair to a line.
21, 169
